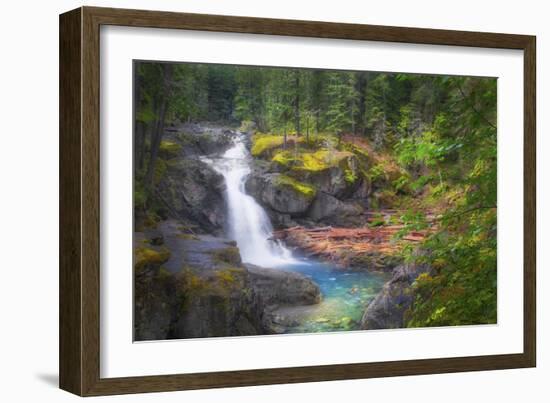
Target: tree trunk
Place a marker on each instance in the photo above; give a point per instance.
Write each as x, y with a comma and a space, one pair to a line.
138, 144
317, 120
139, 138
141, 160
307, 128
297, 102
362, 90
158, 129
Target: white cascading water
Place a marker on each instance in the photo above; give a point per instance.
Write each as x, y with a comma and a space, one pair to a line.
249, 224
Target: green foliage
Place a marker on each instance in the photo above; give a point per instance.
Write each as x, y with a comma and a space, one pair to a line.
376, 172
140, 195
400, 183
350, 176
462, 289
343, 101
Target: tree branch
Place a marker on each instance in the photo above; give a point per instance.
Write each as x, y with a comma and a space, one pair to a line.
471, 105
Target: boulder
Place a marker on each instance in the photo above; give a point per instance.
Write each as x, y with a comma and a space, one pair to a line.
341, 177
279, 287
388, 307
328, 209
281, 193
191, 191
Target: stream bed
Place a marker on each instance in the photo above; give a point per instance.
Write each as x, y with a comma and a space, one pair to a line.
345, 295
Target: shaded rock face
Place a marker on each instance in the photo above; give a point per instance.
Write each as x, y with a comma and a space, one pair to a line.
277, 195
280, 287
388, 307
201, 139
192, 191
194, 286
155, 301
281, 291
330, 210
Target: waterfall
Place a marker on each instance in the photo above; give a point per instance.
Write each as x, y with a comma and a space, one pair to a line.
249, 224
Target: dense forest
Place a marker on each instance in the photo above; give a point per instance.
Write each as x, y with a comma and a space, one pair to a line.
423, 147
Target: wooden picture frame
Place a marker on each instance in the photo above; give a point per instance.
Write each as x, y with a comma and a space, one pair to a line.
79, 346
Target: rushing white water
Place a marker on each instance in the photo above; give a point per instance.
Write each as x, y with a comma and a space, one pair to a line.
249, 224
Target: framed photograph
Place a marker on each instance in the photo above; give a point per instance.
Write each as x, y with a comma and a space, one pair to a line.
249, 201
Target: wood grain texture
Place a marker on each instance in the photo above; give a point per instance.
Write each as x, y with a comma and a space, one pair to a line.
70, 275
80, 201
530, 203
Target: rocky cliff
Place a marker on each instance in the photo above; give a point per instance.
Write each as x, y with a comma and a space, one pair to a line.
190, 286
387, 310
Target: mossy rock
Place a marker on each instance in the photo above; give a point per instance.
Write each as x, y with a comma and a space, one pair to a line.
149, 258
319, 160
169, 149
261, 144
230, 276
229, 255
304, 189
188, 237
265, 145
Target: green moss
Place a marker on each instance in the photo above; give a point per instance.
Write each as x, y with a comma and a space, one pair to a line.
303, 188
317, 161
146, 256
189, 237
285, 158
322, 159
164, 274
229, 276
230, 255
160, 170
311, 161
264, 142
169, 149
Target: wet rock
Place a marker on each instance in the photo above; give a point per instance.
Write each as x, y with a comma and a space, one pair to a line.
279, 287
281, 193
196, 286
202, 139
192, 192
388, 307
